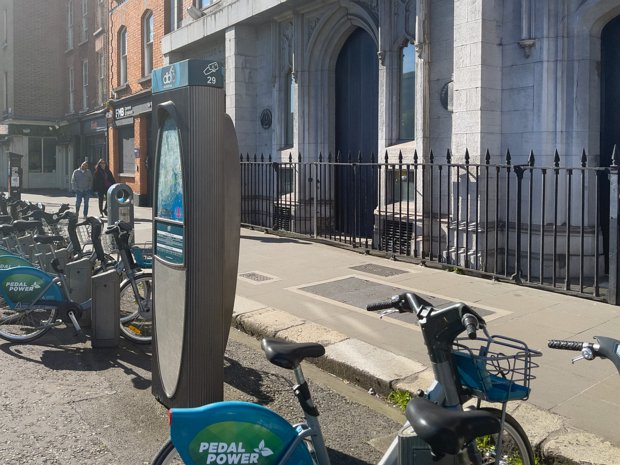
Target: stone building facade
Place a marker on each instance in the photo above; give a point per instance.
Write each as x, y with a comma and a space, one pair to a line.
414, 76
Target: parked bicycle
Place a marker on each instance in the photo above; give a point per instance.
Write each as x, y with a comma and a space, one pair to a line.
239, 432
33, 301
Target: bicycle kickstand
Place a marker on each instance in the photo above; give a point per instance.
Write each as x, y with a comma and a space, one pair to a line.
76, 325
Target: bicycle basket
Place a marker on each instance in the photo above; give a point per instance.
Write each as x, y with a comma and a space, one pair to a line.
499, 369
143, 255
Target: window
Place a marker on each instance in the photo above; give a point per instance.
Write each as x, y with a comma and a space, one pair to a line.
100, 14
203, 3
5, 92
69, 24
5, 27
290, 109
400, 185
100, 78
122, 56
175, 14
147, 43
71, 90
84, 84
41, 155
407, 93
84, 36
125, 149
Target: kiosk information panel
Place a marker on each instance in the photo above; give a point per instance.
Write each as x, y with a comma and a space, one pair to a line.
196, 224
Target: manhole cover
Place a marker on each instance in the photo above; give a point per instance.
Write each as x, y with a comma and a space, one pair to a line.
358, 292
257, 277
378, 270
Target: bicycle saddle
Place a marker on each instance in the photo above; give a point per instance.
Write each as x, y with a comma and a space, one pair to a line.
448, 431
289, 354
6, 229
47, 239
23, 225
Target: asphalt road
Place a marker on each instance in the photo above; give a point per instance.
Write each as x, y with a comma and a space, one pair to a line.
64, 403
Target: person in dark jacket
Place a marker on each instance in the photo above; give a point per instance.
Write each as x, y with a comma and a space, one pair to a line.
102, 180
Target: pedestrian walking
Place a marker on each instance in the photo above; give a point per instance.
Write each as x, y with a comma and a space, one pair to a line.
82, 183
102, 180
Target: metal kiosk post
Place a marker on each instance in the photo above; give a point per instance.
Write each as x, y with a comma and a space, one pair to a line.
15, 175
196, 222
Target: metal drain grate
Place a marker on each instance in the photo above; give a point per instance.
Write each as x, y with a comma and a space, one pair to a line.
256, 277
378, 270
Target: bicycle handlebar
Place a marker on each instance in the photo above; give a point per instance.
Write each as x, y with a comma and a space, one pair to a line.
605, 347
566, 345
410, 302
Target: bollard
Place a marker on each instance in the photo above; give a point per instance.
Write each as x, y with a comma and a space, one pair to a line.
79, 274
105, 311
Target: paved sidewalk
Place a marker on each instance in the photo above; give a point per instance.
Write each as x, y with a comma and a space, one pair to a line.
303, 291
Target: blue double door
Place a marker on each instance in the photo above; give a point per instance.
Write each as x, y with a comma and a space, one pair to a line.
357, 90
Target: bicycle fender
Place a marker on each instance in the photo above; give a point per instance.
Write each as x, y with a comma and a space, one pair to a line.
26, 284
233, 432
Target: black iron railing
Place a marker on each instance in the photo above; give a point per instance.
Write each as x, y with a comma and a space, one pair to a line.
542, 225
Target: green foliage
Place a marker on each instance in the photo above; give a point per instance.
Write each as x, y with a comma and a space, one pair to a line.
400, 398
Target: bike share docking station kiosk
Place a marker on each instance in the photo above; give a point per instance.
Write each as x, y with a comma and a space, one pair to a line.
196, 225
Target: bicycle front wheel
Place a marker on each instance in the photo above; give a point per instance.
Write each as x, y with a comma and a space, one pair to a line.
25, 324
136, 308
167, 455
515, 446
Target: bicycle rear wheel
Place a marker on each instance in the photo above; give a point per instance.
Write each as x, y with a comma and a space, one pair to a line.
136, 309
25, 324
167, 455
516, 447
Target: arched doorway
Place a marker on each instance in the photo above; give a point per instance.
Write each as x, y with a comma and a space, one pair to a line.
357, 90
610, 117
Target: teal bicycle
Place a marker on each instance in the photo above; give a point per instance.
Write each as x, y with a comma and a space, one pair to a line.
446, 432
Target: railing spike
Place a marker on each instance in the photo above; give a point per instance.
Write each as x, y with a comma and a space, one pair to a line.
584, 158
329, 157
386, 157
262, 157
556, 159
270, 160
467, 156
241, 155
400, 157
299, 157
531, 159
247, 156
614, 157
359, 156
290, 157
487, 157
337, 159
432, 157
508, 157
255, 158
415, 157
320, 157
449, 156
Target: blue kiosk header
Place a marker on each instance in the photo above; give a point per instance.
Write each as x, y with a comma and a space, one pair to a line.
187, 73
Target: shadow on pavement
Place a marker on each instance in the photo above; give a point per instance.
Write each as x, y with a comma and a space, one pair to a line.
128, 357
270, 239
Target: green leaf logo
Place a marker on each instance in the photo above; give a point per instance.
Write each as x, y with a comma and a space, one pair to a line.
262, 450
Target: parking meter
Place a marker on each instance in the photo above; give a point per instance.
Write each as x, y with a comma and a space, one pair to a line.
15, 176
120, 204
196, 225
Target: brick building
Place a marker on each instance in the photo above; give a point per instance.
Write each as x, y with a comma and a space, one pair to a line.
136, 29
52, 74
31, 91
